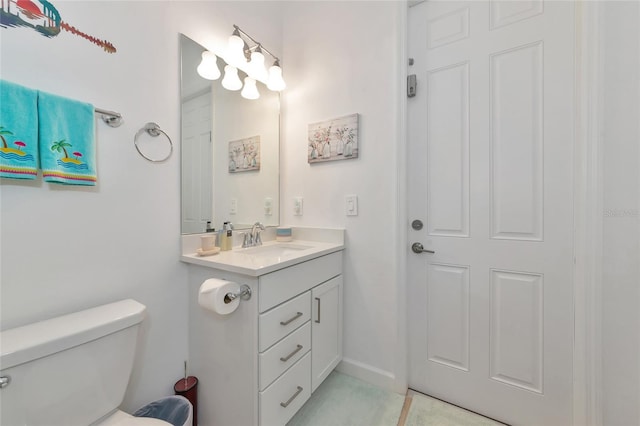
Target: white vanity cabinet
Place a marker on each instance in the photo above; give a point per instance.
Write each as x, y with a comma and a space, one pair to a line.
260, 364
326, 329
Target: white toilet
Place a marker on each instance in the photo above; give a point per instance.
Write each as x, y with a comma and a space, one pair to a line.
72, 370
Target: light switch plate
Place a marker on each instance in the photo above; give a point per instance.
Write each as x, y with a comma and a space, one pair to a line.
351, 205
233, 208
268, 206
297, 206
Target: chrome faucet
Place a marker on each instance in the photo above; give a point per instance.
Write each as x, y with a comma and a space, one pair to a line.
255, 233
253, 238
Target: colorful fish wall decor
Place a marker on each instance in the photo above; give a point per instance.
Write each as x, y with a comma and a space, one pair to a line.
43, 17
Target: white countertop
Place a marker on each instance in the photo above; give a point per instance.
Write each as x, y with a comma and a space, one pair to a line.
240, 260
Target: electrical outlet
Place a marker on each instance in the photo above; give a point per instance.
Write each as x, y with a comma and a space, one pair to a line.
351, 205
233, 208
297, 206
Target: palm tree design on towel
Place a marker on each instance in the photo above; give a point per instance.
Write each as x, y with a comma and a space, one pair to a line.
9, 153
66, 161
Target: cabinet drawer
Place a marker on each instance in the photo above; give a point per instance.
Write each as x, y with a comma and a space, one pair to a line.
282, 320
280, 401
277, 359
284, 284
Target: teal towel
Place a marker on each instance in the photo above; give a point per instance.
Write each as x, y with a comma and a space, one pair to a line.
18, 131
67, 140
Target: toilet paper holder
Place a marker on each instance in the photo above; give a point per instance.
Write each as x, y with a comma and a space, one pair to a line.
243, 294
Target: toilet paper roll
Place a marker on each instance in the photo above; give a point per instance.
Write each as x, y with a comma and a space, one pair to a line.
212, 296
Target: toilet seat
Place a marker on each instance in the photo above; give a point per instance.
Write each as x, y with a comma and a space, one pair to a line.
120, 418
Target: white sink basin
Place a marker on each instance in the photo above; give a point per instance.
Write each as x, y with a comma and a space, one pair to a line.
275, 250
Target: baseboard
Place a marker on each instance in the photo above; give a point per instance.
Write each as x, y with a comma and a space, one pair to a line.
367, 373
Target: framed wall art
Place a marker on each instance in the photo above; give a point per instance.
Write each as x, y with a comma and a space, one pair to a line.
332, 140
244, 155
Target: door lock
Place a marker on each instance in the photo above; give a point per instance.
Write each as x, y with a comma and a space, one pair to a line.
412, 85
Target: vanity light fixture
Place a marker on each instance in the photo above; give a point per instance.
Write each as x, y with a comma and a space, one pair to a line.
250, 90
208, 67
239, 52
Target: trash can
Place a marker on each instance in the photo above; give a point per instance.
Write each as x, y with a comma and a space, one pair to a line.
174, 409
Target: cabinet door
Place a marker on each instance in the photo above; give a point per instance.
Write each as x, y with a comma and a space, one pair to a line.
326, 329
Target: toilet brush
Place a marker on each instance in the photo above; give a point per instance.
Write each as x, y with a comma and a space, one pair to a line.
188, 387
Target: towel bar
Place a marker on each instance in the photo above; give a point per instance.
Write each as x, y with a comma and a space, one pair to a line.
111, 118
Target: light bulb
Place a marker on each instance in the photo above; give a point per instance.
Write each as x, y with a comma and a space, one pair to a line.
250, 90
208, 67
257, 64
275, 82
231, 81
236, 49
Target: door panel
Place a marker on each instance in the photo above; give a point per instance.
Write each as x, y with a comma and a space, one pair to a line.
516, 329
490, 173
448, 150
516, 129
448, 315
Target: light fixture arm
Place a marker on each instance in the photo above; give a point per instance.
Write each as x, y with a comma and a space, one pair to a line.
257, 43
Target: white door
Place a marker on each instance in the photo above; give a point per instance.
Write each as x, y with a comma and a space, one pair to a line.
197, 164
490, 176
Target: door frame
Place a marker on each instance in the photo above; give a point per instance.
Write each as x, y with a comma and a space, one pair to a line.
588, 208
588, 218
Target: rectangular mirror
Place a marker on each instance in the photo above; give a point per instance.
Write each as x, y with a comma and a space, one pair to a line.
230, 150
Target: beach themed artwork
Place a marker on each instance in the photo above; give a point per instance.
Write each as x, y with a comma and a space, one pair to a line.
43, 17
332, 140
244, 155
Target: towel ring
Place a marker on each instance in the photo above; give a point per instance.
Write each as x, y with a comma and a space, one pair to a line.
153, 130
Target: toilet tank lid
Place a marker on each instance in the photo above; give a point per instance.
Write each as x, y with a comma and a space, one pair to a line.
33, 341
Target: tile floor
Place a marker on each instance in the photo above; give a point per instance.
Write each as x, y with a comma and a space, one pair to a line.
345, 401
426, 411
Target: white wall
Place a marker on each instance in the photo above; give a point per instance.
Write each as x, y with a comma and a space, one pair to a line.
343, 58
621, 245
69, 248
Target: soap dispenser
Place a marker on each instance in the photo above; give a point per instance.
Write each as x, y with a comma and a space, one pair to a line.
226, 236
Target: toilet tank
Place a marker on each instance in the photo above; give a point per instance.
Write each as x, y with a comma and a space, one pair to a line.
70, 370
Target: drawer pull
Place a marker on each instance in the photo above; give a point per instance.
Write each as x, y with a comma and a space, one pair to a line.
318, 320
286, 404
295, 351
295, 317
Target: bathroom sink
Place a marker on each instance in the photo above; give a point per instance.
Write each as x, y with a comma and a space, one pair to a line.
269, 257
276, 250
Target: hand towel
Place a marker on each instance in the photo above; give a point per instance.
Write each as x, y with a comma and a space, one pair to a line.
18, 131
67, 140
